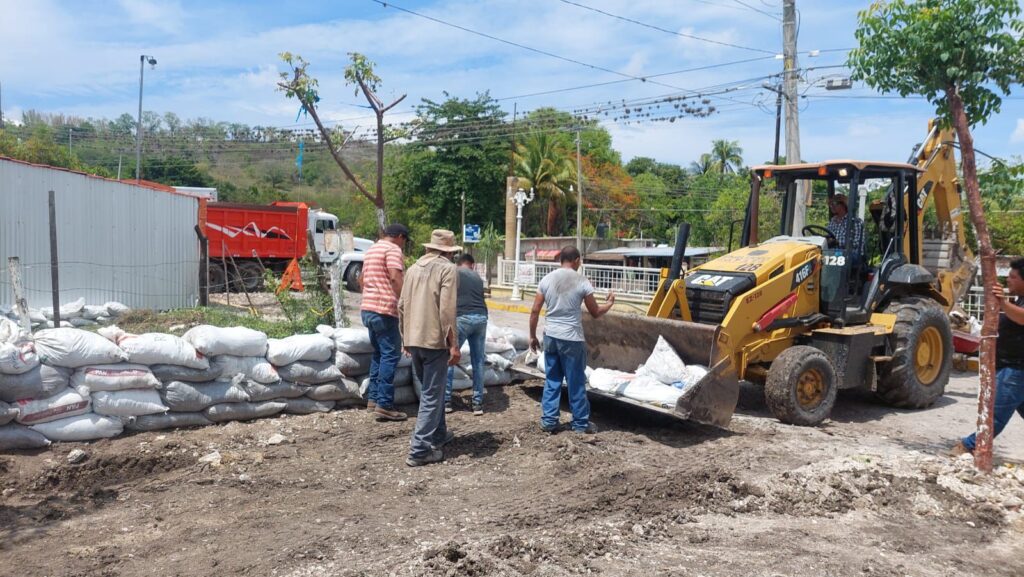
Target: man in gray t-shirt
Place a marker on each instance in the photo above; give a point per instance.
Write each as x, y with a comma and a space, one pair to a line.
563, 291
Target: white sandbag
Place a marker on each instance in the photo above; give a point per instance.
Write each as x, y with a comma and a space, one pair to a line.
352, 364
18, 437
86, 427
692, 375
403, 377
76, 348
128, 403
40, 382
163, 421
299, 348
17, 358
11, 332
116, 377
192, 397
254, 368
664, 364
519, 339
63, 325
281, 389
337, 391
168, 373
94, 312
405, 395
68, 311
80, 323
348, 340
499, 362
103, 319
237, 341
243, 411
116, 309
650, 390
63, 404
156, 348
309, 372
608, 380
7, 413
494, 377
306, 406
496, 341
461, 382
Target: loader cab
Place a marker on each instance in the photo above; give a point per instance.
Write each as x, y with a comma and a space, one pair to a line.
856, 256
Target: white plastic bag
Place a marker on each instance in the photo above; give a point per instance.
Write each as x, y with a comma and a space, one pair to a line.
17, 358
76, 348
127, 403
255, 368
116, 377
664, 364
238, 341
94, 312
86, 427
299, 348
67, 312
348, 340
156, 348
115, 309
64, 404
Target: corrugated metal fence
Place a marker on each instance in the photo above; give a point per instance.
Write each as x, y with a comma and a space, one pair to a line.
116, 240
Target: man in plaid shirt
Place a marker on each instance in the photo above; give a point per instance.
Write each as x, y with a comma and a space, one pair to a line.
837, 205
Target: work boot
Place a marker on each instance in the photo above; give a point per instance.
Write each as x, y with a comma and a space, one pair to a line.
478, 409
435, 456
371, 406
384, 414
448, 438
550, 428
448, 408
590, 430
959, 449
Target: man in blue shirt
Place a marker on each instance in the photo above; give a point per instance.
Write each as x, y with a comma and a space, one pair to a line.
562, 291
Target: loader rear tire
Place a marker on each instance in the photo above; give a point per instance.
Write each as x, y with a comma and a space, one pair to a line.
218, 284
922, 355
251, 276
801, 386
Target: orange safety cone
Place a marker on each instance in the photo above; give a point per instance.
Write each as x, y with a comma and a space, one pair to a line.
292, 278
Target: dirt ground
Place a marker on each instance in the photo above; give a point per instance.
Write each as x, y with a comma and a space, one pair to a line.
869, 493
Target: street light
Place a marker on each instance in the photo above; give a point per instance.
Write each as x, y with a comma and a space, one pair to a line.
521, 198
143, 59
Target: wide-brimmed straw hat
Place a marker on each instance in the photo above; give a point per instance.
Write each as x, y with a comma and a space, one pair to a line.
442, 240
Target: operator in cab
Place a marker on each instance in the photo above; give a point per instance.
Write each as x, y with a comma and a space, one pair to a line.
838, 207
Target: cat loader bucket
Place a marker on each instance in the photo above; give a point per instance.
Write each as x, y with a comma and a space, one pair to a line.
624, 341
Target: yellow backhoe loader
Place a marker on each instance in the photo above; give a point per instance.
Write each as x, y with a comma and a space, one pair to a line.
805, 315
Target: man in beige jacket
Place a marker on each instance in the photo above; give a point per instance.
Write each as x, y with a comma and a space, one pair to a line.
426, 313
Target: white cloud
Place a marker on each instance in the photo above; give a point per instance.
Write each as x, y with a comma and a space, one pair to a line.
1018, 133
164, 16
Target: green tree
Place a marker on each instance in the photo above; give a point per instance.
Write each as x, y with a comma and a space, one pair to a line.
541, 164
963, 56
726, 155
595, 141
703, 165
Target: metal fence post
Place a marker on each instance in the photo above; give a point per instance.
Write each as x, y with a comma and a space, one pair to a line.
14, 268
54, 275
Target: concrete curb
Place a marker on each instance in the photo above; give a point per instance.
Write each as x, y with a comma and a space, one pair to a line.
509, 307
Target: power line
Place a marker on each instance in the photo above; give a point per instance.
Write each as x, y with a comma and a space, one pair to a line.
659, 29
758, 10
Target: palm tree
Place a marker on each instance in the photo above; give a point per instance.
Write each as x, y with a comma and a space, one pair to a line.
727, 155
703, 165
549, 169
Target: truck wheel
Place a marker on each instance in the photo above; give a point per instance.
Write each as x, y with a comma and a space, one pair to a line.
218, 283
801, 386
352, 276
252, 276
922, 355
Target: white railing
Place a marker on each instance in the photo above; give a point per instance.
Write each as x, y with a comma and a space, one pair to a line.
973, 302
624, 280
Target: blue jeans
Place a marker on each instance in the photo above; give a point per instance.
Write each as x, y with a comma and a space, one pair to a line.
1009, 399
474, 329
565, 360
431, 428
387, 350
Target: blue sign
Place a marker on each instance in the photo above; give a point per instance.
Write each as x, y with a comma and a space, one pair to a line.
471, 233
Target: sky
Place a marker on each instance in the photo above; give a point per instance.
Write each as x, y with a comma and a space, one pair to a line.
218, 59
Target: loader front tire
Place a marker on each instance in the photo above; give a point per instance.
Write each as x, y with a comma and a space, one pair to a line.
922, 355
801, 386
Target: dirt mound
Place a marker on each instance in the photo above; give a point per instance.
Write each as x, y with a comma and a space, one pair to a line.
104, 472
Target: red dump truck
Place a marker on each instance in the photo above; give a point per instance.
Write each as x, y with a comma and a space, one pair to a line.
246, 238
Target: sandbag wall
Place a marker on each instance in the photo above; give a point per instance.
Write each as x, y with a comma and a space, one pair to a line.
68, 384
75, 314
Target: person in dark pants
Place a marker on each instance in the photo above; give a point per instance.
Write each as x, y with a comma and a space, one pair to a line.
1009, 356
383, 268
563, 290
471, 318
426, 311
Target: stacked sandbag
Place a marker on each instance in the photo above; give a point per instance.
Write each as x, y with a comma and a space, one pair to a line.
501, 345
306, 366
119, 390
72, 315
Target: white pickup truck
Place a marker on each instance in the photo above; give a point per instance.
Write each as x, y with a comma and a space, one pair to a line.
352, 264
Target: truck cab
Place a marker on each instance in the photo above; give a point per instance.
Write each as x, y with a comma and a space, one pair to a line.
324, 227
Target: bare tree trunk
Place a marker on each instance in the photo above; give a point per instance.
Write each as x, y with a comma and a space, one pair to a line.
986, 369
553, 213
382, 218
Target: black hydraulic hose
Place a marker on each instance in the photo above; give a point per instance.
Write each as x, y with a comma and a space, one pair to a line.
682, 237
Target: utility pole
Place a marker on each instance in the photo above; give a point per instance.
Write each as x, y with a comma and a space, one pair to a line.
579, 196
1, 105
778, 117
792, 107
70, 132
